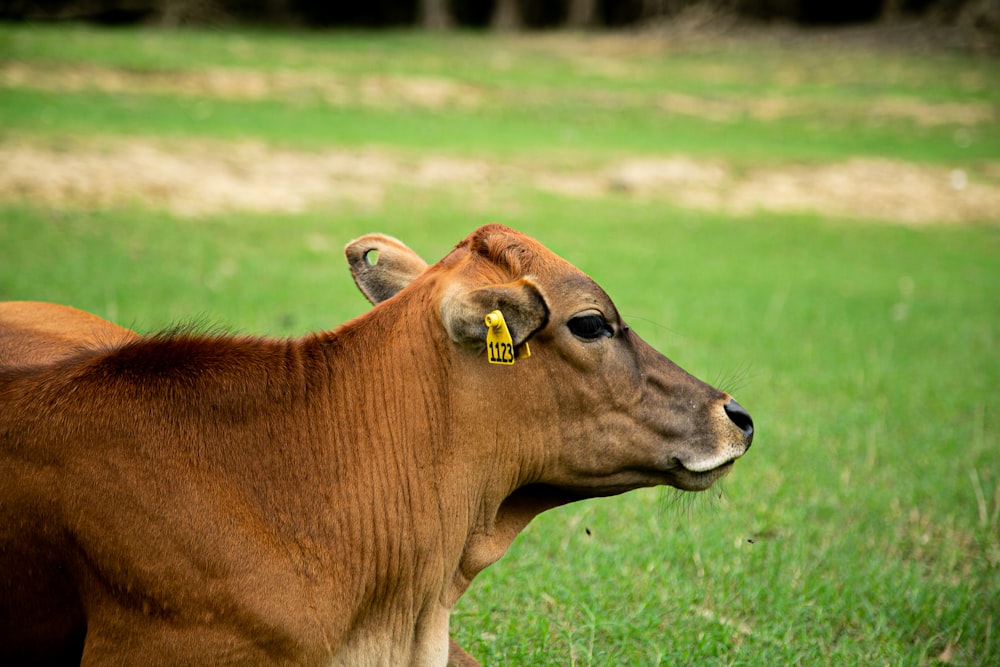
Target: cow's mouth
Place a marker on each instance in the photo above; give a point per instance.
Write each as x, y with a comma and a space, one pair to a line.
678, 476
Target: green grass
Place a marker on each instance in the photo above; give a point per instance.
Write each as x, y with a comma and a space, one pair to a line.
499, 132
536, 95
863, 527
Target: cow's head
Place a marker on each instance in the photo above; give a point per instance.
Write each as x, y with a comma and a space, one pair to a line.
612, 413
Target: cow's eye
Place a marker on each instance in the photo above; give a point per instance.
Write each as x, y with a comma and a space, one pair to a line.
590, 327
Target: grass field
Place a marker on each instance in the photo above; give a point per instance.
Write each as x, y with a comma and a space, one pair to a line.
813, 228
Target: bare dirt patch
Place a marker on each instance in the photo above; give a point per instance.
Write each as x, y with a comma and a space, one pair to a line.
191, 179
872, 188
203, 178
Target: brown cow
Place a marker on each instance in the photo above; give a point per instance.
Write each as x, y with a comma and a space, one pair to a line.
190, 499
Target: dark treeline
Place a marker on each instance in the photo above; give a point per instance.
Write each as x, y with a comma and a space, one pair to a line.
496, 14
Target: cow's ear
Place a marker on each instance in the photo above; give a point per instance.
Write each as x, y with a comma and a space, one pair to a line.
382, 265
522, 304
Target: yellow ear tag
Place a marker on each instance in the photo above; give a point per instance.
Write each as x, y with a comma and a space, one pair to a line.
499, 344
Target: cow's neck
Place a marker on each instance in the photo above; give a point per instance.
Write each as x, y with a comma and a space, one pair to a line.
455, 506
378, 454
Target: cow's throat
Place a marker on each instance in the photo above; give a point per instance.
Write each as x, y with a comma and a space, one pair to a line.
489, 541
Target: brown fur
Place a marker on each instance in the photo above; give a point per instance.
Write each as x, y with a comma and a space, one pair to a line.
326, 500
37, 333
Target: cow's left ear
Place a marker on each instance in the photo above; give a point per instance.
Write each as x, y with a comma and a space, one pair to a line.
520, 301
382, 265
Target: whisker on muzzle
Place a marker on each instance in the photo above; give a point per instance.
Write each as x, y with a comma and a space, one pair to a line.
683, 504
735, 380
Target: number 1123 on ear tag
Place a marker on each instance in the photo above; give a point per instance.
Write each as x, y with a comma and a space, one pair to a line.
499, 344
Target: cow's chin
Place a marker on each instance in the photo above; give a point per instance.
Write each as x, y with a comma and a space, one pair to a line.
678, 477
690, 480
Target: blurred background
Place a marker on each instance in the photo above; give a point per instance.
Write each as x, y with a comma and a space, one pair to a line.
796, 201
972, 15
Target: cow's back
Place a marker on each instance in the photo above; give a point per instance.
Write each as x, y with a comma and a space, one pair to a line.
33, 332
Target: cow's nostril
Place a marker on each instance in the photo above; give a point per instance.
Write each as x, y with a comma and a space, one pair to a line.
739, 416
